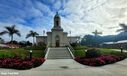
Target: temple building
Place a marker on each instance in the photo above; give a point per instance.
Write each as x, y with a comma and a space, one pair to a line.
57, 37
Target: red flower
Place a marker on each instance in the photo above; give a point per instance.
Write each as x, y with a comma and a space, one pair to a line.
102, 60
18, 63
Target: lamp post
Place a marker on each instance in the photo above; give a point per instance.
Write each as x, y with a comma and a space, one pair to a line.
30, 55
121, 48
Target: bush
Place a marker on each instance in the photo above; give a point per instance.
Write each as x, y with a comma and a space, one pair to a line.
20, 64
36, 47
37, 62
75, 44
93, 52
99, 61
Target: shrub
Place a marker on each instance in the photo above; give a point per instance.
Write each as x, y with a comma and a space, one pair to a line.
75, 44
37, 61
18, 63
36, 47
99, 61
92, 52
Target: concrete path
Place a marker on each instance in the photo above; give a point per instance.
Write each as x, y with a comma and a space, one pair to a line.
119, 50
68, 67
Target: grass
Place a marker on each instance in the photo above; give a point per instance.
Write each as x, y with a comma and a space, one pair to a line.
20, 52
81, 52
107, 51
80, 47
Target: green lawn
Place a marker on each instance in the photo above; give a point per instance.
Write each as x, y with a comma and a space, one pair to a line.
107, 51
20, 52
104, 51
79, 53
112, 52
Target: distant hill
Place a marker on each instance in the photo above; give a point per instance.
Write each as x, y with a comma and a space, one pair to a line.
92, 40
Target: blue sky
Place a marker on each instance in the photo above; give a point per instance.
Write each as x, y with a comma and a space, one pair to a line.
31, 13
79, 16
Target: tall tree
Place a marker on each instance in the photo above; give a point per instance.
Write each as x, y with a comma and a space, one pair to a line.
123, 27
32, 34
11, 30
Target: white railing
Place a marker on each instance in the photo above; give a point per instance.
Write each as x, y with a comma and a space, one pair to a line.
46, 52
71, 50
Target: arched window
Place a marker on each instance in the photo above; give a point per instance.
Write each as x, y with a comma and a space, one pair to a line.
57, 38
57, 22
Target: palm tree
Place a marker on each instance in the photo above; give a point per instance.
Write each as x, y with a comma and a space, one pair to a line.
32, 34
11, 30
123, 27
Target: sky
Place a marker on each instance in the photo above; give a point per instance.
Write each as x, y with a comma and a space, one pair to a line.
81, 17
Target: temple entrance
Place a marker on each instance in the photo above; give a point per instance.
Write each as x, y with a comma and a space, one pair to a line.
57, 41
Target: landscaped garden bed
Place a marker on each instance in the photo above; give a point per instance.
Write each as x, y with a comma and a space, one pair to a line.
99, 57
19, 58
20, 64
99, 61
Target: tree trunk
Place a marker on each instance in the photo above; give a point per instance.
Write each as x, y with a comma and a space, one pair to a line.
11, 41
11, 38
33, 41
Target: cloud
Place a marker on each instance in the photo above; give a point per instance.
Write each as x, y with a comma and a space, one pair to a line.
79, 16
57, 5
89, 15
24, 30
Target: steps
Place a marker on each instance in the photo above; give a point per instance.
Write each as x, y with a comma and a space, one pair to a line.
59, 53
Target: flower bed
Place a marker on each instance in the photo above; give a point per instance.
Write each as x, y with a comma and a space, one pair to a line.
18, 63
99, 61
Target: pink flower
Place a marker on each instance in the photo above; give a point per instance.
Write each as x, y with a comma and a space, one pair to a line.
98, 61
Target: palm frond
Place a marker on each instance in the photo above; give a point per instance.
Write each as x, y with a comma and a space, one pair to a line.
18, 34
119, 30
3, 32
36, 33
123, 27
28, 35
31, 34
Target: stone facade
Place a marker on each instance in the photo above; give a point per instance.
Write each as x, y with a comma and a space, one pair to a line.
56, 38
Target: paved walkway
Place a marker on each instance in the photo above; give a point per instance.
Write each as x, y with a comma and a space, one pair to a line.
68, 67
119, 50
